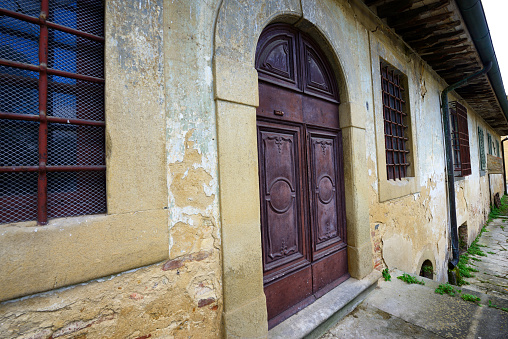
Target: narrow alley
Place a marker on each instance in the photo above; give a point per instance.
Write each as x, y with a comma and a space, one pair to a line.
396, 309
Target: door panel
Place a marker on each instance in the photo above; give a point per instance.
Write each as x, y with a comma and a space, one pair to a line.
329, 272
325, 209
286, 292
319, 112
279, 161
279, 103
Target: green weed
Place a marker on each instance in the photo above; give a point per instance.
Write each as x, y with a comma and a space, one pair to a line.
470, 297
427, 269
446, 288
490, 304
387, 275
410, 279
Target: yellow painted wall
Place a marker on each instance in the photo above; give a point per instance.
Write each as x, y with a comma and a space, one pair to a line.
178, 253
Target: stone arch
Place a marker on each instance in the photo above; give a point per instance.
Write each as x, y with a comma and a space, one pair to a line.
427, 259
236, 96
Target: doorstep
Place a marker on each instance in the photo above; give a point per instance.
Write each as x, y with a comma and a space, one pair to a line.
317, 318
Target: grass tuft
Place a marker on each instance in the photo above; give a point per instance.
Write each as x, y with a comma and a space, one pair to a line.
470, 297
410, 279
446, 289
387, 275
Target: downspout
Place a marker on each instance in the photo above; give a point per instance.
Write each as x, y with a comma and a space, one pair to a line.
449, 161
504, 168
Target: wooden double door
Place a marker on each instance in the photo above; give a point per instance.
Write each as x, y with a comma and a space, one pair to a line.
301, 172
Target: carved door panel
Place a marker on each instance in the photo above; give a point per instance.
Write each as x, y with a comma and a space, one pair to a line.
300, 173
286, 259
279, 165
327, 221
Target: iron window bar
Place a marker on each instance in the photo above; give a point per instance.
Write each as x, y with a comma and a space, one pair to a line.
41, 20
47, 41
394, 127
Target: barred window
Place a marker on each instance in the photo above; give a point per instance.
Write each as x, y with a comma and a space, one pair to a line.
52, 147
498, 152
460, 139
481, 149
489, 140
395, 125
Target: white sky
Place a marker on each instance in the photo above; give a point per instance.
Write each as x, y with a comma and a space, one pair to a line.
496, 12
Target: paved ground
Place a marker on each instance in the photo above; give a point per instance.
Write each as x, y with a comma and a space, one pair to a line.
493, 276
399, 310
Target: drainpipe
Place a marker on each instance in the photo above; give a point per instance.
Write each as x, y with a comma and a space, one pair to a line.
474, 18
504, 169
449, 161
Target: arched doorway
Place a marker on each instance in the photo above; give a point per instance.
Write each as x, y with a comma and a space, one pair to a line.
303, 222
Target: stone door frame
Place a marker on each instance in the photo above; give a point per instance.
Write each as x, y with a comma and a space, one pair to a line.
236, 98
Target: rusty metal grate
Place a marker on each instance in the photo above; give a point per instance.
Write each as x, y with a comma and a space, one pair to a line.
394, 123
52, 150
460, 139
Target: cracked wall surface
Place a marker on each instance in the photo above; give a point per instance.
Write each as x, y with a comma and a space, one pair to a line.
414, 227
147, 80
166, 63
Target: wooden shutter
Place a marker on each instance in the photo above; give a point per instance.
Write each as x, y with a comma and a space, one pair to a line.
461, 138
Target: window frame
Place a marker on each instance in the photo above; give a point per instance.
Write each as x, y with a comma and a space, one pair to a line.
489, 143
134, 232
393, 189
394, 116
46, 121
481, 151
459, 129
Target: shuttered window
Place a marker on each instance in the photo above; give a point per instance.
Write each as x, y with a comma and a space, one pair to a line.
481, 149
52, 146
489, 141
460, 139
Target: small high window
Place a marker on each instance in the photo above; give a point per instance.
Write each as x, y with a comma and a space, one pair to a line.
460, 139
395, 124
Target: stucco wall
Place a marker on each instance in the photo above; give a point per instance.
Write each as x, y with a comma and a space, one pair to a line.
414, 227
162, 197
181, 97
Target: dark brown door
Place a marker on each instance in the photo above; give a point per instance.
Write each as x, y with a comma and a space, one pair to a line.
301, 172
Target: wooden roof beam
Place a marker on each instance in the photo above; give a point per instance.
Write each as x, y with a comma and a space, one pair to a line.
418, 32
440, 45
396, 6
409, 15
373, 2
433, 39
435, 58
441, 50
433, 19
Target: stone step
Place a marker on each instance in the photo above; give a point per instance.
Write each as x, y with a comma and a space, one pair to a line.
317, 318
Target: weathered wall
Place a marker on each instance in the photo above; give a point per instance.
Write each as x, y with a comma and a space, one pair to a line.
190, 65
180, 302
413, 226
160, 143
